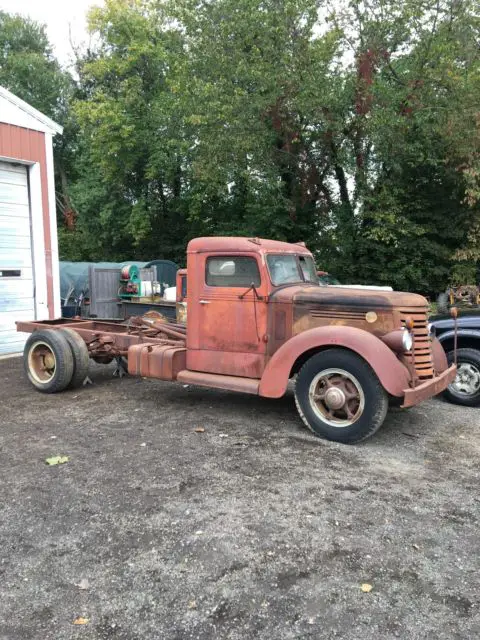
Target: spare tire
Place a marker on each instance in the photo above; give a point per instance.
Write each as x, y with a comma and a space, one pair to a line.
48, 361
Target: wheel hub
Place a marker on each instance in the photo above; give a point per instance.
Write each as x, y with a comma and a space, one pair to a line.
49, 361
41, 362
467, 381
334, 398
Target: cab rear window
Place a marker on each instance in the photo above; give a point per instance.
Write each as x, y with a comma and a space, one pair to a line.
232, 271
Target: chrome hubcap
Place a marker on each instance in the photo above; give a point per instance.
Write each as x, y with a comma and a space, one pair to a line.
336, 397
467, 382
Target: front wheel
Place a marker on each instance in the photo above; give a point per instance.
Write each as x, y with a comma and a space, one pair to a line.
339, 397
465, 389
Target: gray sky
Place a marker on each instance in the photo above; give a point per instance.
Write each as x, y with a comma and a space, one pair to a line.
59, 16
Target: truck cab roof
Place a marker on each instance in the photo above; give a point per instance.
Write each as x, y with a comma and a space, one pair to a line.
232, 244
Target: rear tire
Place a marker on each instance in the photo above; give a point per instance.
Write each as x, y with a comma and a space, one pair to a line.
339, 397
465, 389
48, 361
81, 358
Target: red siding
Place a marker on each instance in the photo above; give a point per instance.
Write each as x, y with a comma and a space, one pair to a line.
17, 143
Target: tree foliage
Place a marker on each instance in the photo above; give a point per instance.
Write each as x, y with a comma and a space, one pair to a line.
355, 129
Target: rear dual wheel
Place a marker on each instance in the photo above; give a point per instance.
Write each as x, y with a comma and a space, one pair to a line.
339, 397
55, 359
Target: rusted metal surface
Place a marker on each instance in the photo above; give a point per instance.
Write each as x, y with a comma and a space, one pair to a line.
107, 340
429, 388
156, 361
440, 363
237, 246
227, 326
231, 383
422, 352
390, 371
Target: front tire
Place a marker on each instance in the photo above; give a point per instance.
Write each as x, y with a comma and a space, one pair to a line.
465, 389
339, 397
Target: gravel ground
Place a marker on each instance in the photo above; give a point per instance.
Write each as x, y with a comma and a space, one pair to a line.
252, 529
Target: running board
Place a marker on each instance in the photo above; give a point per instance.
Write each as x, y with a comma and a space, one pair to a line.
215, 381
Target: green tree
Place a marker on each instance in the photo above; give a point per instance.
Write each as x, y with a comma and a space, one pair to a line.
29, 69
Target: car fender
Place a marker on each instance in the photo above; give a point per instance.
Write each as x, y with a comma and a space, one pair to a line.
393, 375
462, 333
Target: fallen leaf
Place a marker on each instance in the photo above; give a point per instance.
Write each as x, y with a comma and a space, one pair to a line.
57, 460
199, 430
192, 604
80, 620
144, 444
83, 584
366, 588
198, 533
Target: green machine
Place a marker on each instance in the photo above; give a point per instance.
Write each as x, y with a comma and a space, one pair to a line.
130, 283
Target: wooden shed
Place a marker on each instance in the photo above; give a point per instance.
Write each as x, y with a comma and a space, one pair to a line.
29, 276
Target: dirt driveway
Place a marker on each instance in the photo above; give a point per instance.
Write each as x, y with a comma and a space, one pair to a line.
251, 529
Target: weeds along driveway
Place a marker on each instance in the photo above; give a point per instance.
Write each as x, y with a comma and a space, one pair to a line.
252, 528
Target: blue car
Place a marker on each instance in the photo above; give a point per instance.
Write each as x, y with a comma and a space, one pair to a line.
465, 389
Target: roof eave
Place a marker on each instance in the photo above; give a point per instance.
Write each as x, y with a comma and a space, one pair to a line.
52, 126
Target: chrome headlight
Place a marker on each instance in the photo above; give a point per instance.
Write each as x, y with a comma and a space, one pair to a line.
407, 340
431, 330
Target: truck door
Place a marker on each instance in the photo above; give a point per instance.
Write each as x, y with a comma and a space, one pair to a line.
227, 320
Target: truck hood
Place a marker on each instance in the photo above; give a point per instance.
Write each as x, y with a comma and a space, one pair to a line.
332, 296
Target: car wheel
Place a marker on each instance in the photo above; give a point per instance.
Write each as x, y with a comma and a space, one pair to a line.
339, 397
465, 389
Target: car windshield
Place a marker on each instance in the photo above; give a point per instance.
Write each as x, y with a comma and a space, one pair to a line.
288, 268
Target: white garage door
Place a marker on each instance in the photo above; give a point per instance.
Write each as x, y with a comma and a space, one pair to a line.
16, 264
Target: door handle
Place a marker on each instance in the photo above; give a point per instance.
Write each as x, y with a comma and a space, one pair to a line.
204, 301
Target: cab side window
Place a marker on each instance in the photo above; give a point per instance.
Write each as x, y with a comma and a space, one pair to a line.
232, 271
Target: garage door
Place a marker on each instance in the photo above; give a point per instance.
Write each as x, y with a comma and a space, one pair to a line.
16, 265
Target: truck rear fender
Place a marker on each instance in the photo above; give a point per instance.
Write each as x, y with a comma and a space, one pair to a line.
393, 375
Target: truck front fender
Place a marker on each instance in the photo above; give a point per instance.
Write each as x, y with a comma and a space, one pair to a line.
393, 375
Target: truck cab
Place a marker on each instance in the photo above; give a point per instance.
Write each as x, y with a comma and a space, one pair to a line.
231, 285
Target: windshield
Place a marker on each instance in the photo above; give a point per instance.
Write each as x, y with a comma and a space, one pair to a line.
287, 268
307, 266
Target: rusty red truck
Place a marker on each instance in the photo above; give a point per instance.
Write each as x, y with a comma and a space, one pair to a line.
257, 319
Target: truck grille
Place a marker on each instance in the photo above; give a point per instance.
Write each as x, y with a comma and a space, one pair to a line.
422, 344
